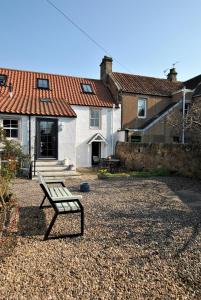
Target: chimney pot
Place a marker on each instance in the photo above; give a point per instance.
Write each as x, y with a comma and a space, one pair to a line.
172, 75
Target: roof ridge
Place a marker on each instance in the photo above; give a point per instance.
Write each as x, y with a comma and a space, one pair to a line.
46, 73
151, 77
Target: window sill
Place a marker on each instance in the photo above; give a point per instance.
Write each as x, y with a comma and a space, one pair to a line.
142, 117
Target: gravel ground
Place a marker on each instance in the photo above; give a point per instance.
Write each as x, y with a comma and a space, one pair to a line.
142, 241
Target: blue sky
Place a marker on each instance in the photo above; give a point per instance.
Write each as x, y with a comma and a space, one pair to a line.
145, 36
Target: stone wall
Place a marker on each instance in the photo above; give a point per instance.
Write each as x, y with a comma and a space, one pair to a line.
185, 159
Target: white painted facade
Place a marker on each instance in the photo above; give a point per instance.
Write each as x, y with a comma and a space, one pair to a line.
73, 134
110, 122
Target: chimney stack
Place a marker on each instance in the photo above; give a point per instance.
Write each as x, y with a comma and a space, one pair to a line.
105, 68
172, 75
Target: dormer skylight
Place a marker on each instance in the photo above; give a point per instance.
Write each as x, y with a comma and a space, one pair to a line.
42, 83
3, 79
87, 88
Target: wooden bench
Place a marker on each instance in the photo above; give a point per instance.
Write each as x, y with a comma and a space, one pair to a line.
62, 201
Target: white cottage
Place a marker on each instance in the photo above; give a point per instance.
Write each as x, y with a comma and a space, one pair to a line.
58, 119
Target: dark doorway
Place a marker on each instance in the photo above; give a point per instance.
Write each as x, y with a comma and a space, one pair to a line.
47, 138
95, 152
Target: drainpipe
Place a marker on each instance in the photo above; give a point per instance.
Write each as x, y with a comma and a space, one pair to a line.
112, 128
30, 135
183, 114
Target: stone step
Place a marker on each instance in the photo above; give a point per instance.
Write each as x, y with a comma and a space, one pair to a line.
59, 173
67, 174
51, 168
49, 162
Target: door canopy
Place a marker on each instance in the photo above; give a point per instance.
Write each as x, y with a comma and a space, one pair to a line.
97, 138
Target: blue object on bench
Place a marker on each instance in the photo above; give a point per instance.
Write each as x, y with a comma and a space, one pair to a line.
84, 187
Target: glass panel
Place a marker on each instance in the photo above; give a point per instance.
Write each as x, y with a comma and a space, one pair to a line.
3, 80
14, 123
95, 118
87, 88
43, 83
6, 123
14, 133
7, 132
141, 107
48, 145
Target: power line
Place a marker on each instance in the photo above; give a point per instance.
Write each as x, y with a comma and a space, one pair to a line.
84, 33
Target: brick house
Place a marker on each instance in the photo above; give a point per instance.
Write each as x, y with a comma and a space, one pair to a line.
147, 101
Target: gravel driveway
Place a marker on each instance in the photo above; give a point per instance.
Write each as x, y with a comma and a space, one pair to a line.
142, 241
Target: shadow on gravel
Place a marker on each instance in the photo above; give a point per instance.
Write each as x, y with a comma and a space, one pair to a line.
31, 221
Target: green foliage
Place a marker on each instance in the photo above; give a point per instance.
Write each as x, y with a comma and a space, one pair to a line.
103, 173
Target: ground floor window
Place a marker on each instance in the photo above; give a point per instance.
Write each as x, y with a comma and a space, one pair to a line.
136, 139
11, 128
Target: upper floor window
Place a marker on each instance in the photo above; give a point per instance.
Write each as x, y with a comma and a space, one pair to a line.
42, 83
3, 79
141, 109
11, 128
87, 88
187, 107
95, 115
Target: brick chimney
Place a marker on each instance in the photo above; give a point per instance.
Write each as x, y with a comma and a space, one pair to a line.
105, 68
172, 75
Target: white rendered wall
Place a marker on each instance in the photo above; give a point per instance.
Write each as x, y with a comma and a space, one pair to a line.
84, 133
66, 138
23, 133
66, 135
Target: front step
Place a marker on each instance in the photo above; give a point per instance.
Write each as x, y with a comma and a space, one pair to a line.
67, 174
49, 162
52, 168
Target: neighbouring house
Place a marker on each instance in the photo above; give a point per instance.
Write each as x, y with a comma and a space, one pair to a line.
146, 102
61, 121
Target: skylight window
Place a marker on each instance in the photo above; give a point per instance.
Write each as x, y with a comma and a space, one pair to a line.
42, 83
45, 100
3, 79
87, 88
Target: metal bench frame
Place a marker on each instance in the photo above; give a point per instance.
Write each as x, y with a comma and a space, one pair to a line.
65, 199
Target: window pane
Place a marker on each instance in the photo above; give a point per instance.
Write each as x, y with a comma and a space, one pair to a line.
14, 123
7, 132
43, 83
14, 133
6, 123
87, 88
11, 128
3, 79
141, 107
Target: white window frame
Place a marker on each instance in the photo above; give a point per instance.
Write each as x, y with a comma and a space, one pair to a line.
18, 138
145, 107
90, 118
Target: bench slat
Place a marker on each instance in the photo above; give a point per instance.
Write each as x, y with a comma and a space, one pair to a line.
67, 206
64, 191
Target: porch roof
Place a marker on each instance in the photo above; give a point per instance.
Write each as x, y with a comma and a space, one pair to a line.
97, 138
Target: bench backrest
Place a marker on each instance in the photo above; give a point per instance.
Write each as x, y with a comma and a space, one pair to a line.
42, 181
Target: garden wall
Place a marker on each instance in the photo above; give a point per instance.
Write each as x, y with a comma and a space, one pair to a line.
185, 159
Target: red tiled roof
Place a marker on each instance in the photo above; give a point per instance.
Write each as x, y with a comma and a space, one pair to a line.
64, 91
145, 85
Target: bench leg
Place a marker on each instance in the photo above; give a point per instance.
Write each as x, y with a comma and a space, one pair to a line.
82, 221
42, 202
50, 227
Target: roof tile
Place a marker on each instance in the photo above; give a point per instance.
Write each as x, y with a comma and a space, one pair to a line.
146, 85
64, 91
